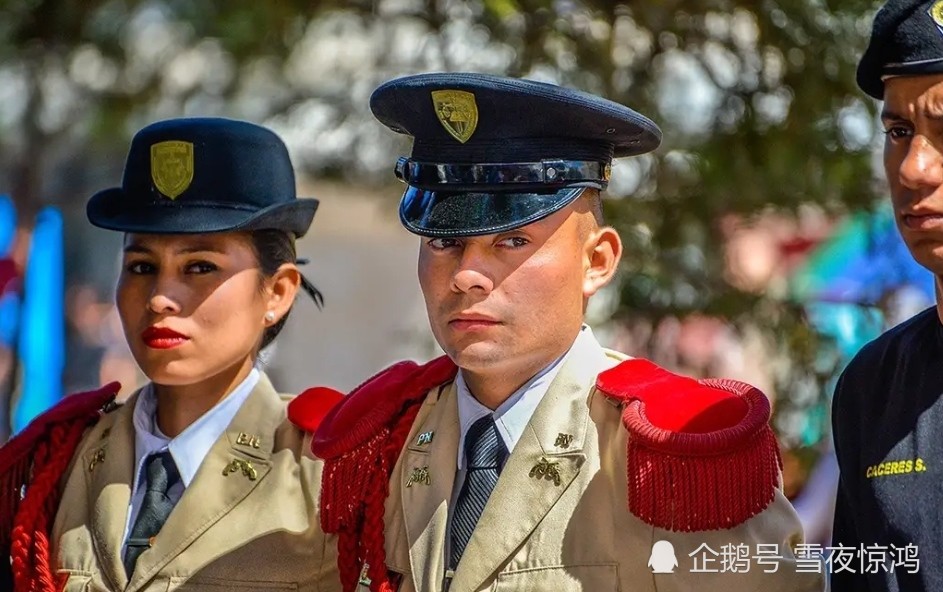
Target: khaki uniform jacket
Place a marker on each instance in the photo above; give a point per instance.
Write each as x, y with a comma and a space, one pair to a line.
535, 535
232, 531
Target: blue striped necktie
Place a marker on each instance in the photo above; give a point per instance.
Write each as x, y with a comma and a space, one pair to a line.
162, 474
484, 454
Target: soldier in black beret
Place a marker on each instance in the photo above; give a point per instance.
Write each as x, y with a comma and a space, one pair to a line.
888, 408
529, 457
175, 488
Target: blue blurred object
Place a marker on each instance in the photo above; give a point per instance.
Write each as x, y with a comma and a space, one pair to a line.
9, 317
846, 285
863, 262
7, 224
42, 330
9, 302
851, 326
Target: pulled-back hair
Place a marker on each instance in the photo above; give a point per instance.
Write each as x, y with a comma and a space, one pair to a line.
273, 248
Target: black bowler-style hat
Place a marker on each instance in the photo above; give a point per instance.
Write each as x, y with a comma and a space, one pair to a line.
198, 175
492, 154
906, 40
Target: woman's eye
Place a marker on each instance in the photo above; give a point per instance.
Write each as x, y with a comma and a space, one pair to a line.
139, 267
201, 267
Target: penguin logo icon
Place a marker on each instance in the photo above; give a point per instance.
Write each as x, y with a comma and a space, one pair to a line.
663, 558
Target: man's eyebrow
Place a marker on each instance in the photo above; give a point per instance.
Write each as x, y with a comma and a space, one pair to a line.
935, 115
889, 115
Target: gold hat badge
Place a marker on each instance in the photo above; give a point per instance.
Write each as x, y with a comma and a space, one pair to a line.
172, 167
457, 111
936, 13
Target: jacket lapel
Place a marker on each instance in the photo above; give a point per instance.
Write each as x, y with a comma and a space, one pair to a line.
109, 467
542, 465
425, 504
236, 464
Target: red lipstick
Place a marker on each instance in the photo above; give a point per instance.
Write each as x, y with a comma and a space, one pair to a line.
162, 338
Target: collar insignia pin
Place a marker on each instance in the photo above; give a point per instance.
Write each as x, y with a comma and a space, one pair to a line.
547, 470
245, 439
424, 438
97, 459
245, 466
563, 440
419, 476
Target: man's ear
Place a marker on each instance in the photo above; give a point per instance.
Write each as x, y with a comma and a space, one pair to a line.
281, 289
602, 251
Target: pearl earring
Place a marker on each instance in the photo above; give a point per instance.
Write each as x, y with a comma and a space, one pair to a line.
270, 317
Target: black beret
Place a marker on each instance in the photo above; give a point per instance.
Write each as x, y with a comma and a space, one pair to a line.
906, 40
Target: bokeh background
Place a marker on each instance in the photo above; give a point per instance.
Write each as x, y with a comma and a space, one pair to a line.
758, 243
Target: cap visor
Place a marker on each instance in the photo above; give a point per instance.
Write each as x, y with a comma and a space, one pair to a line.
450, 213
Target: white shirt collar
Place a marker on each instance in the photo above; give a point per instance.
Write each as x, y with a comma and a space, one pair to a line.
513, 415
192, 445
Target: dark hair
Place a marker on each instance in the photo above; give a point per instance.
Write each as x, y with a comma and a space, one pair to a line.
595, 205
274, 248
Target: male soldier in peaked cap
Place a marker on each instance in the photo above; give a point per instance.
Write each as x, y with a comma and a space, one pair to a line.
529, 457
888, 410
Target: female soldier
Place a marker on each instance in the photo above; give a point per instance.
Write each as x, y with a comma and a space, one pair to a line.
197, 481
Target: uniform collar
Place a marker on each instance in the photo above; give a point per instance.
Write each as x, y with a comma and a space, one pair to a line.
513, 415
191, 446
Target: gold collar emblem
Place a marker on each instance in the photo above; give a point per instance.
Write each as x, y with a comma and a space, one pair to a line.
547, 470
420, 475
563, 440
457, 111
172, 167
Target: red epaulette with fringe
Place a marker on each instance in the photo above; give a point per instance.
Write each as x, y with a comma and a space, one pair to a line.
701, 454
32, 464
360, 439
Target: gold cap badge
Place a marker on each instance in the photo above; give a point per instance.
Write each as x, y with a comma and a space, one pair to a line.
172, 167
936, 13
457, 111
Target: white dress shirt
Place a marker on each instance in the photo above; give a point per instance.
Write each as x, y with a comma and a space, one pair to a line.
510, 417
188, 448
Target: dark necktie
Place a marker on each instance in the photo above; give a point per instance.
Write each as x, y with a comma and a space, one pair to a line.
161, 474
484, 453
